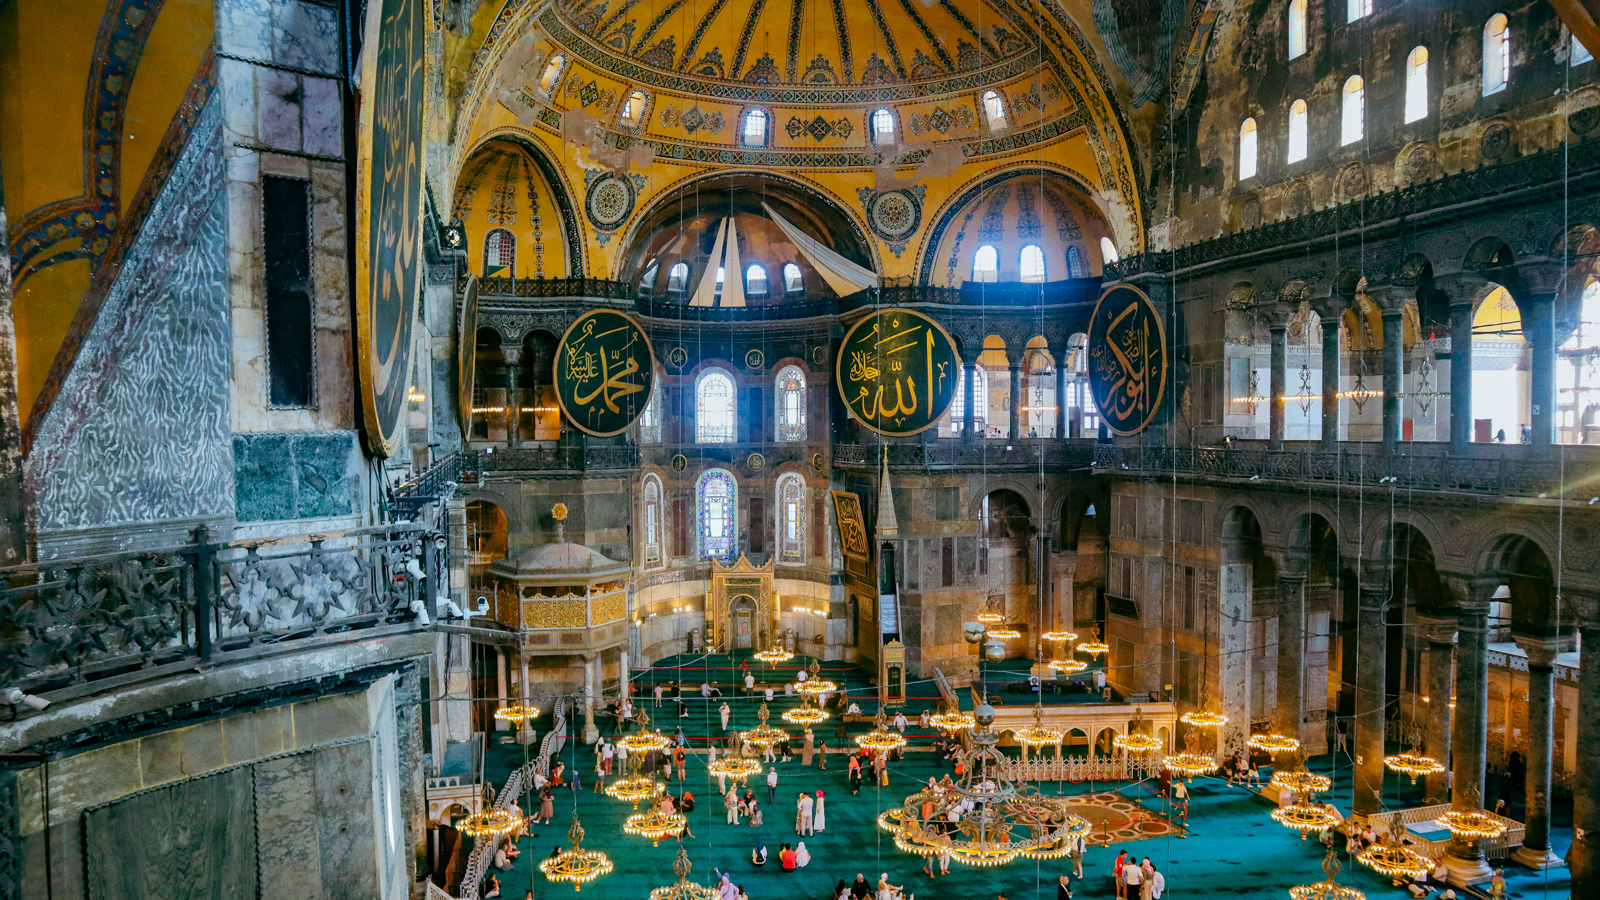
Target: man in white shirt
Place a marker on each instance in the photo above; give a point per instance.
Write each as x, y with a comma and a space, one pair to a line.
772, 785
1132, 876
705, 689
801, 677
749, 683
900, 722
803, 827
724, 713
769, 694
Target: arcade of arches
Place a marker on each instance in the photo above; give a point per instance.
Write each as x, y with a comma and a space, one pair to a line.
305, 546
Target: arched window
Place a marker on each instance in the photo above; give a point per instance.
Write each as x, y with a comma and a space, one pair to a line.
986, 264
1580, 54
1108, 251
793, 281
1496, 54
720, 273
1247, 149
755, 280
980, 399
633, 109
499, 254
994, 109
1417, 84
714, 408
717, 499
650, 418
647, 281
654, 526
882, 128
1577, 377
1298, 131
678, 278
552, 74
1075, 266
791, 406
1357, 9
1032, 264
754, 132
1297, 28
1353, 125
791, 519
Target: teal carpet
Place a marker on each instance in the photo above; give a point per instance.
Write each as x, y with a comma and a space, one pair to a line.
1234, 848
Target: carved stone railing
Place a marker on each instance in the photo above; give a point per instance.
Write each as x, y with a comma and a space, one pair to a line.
1546, 176
1506, 471
1494, 848
1084, 768
559, 459
74, 625
1030, 453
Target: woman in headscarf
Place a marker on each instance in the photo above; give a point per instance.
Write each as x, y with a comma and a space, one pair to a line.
726, 889
758, 855
887, 891
802, 856
819, 819
840, 891
855, 774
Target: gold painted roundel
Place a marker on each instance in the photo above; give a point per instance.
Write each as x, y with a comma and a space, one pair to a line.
897, 371
1128, 367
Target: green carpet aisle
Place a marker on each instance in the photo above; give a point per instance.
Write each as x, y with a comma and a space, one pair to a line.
1233, 850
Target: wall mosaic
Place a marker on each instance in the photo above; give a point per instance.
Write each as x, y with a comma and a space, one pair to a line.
893, 215
145, 405
819, 128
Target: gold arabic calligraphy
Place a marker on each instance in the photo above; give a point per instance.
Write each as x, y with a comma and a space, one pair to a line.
604, 360
1129, 362
898, 365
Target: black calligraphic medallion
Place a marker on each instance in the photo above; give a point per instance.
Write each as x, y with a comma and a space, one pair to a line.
389, 212
897, 371
604, 372
1127, 359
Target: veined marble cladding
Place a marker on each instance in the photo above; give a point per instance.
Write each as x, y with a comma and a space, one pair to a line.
140, 431
298, 475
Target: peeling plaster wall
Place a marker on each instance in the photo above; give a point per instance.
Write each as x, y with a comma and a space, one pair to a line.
1248, 74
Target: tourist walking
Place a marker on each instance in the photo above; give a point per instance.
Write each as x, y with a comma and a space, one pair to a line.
1063, 889
855, 774
1116, 872
772, 784
1078, 845
822, 749
731, 801
724, 712
808, 749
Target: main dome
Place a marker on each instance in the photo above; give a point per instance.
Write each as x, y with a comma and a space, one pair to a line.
802, 42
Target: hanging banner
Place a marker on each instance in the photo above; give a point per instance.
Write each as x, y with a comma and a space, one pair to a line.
1127, 359
467, 356
897, 372
389, 212
604, 372
852, 527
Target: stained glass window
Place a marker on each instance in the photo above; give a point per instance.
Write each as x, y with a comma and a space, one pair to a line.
718, 501
791, 411
1075, 266
714, 408
792, 518
652, 520
980, 400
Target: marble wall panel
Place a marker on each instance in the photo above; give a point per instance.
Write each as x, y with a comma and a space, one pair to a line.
140, 430
296, 475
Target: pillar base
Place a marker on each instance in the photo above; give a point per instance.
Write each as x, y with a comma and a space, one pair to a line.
1537, 859
1467, 872
525, 735
591, 733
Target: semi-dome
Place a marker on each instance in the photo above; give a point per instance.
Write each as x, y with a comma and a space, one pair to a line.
817, 43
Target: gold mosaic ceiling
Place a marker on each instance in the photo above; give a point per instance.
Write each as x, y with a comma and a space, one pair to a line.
810, 42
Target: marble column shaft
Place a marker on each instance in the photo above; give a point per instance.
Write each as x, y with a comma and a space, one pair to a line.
1583, 858
1016, 400
1538, 320
969, 400
1279, 335
1460, 376
1061, 398
1541, 744
1393, 378
1470, 741
1371, 699
1330, 384
1291, 654
1441, 678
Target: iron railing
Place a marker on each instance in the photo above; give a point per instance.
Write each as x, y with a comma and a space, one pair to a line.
435, 484
1027, 453
559, 459
74, 624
